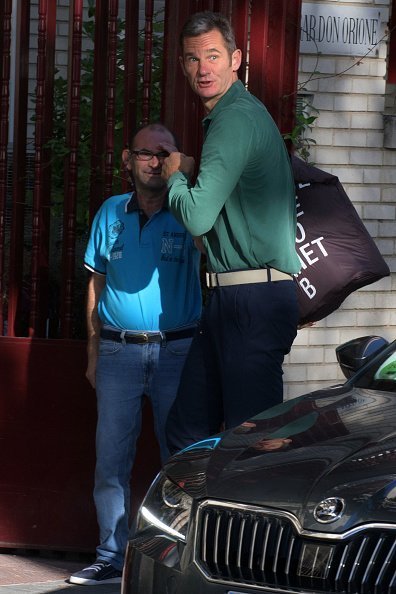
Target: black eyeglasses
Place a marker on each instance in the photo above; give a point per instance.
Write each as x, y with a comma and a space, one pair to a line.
145, 155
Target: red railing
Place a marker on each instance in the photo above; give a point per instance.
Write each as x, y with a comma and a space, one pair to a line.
267, 31
71, 166
392, 46
42, 168
12, 298
5, 44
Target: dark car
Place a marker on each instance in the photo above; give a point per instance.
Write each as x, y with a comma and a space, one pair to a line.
299, 499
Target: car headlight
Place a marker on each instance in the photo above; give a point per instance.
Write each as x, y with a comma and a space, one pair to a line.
167, 507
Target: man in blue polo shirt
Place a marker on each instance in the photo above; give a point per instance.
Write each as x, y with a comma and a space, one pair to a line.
144, 301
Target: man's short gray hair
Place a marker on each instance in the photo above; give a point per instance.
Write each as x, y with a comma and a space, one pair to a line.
203, 22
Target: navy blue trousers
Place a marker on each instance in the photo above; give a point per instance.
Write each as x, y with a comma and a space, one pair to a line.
234, 367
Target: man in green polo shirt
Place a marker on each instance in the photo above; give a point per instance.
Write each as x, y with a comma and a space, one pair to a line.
242, 206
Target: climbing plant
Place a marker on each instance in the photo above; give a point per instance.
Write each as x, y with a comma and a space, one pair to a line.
300, 136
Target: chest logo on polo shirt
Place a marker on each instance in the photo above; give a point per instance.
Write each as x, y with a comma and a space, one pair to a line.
172, 246
114, 231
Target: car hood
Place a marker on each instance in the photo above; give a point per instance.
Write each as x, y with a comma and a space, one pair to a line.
340, 443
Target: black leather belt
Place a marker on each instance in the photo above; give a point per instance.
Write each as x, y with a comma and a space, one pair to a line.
145, 337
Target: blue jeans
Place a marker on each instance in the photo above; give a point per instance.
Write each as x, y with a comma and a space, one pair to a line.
126, 372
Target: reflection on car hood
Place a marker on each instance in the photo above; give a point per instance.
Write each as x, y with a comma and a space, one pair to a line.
342, 444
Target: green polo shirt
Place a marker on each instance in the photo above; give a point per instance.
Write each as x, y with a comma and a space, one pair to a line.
243, 201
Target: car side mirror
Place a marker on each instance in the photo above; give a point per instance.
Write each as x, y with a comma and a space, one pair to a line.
352, 355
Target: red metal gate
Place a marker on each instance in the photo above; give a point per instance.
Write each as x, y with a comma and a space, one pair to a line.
60, 143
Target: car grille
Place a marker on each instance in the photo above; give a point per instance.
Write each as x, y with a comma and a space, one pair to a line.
263, 548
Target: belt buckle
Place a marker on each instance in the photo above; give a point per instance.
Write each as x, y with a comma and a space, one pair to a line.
211, 280
145, 337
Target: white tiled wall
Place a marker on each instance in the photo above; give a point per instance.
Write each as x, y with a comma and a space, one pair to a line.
349, 135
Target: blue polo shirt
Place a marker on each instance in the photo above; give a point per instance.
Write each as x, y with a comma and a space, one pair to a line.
151, 268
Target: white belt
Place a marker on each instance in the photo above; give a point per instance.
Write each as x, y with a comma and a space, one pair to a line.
245, 277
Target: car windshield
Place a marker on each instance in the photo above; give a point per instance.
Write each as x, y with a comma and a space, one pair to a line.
381, 374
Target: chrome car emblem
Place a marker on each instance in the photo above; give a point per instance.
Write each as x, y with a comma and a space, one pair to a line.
329, 510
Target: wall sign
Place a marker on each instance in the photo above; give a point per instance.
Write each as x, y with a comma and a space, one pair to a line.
347, 30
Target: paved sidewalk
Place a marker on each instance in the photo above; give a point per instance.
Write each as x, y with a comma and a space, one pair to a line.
45, 572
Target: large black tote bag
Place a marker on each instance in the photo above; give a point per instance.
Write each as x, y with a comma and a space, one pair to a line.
337, 253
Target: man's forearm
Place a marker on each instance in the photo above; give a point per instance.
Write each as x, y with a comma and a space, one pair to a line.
95, 287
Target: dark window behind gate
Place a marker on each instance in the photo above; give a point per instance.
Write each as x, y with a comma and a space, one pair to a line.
76, 79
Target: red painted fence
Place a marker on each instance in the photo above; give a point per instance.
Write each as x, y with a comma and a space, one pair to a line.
47, 409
